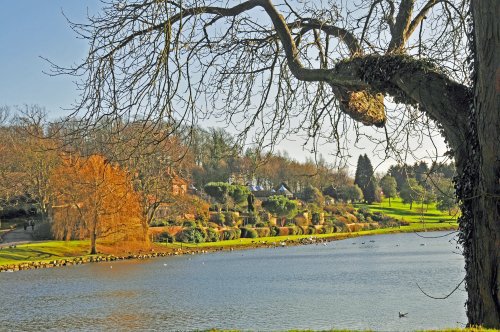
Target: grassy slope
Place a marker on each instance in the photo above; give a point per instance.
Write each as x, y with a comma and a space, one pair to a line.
431, 217
43, 251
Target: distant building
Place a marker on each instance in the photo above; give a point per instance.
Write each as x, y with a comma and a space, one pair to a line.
261, 194
179, 186
284, 190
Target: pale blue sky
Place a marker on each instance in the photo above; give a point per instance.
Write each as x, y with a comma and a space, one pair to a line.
37, 28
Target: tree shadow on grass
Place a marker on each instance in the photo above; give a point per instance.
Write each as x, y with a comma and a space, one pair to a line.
20, 254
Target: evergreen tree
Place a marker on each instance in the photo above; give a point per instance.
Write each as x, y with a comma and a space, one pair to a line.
372, 191
421, 171
401, 173
365, 180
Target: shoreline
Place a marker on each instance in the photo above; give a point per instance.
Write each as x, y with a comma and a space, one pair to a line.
176, 249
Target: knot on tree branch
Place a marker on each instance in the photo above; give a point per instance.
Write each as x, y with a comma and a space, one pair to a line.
365, 107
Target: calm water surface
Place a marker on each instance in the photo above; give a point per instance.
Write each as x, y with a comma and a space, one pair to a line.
354, 283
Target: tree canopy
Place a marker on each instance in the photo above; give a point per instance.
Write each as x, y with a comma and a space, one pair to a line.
389, 187
95, 199
280, 206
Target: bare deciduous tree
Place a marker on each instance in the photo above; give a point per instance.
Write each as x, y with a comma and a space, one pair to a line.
275, 68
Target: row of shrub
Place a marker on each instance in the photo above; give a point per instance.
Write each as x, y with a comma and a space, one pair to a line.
337, 214
198, 234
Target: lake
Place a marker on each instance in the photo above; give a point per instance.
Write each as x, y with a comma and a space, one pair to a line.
358, 283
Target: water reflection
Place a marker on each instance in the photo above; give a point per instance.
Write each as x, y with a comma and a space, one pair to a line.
340, 285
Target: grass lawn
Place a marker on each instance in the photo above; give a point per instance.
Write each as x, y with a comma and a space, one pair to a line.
43, 251
419, 214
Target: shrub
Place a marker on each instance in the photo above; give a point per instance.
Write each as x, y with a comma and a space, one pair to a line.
248, 232
364, 211
328, 222
212, 235
189, 224
218, 218
303, 229
359, 216
299, 230
283, 231
163, 222
192, 235
263, 231
166, 237
349, 208
237, 233
404, 223
377, 216
230, 234
253, 219
355, 228
212, 225
292, 230
351, 219
316, 218
328, 229
341, 226
311, 230
275, 230
333, 209
342, 219
227, 234
230, 219
261, 224
265, 216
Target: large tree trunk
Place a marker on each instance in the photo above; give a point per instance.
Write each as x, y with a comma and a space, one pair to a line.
93, 238
482, 229
93, 250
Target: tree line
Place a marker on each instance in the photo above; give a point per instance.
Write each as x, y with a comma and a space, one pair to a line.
88, 187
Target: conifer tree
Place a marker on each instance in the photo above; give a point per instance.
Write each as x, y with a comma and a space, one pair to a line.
364, 178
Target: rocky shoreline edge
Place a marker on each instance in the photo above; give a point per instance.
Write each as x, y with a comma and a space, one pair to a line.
91, 259
33, 265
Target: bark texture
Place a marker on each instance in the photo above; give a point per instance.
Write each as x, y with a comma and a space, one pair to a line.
480, 184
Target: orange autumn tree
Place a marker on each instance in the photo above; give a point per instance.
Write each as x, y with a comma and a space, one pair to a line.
95, 199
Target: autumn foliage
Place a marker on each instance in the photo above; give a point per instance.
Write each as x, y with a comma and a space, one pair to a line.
94, 199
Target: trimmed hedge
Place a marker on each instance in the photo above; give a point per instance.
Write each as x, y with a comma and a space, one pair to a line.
230, 234
248, 232
275, 230
218, 218
212, 235
263, 231
166, 237
191, 235
230, 219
